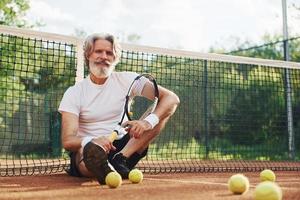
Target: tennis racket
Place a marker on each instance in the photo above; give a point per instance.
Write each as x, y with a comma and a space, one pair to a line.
137, 107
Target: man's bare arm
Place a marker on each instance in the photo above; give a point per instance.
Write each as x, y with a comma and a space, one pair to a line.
168, 100
70, 123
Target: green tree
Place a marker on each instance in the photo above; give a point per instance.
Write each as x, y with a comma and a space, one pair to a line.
34, 74
13, 11
271, 49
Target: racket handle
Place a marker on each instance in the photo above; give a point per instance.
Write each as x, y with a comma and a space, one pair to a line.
113, 136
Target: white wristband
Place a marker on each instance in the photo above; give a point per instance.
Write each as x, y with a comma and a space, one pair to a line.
152, 119
86, 140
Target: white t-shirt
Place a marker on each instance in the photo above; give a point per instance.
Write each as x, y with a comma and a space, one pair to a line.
99, 107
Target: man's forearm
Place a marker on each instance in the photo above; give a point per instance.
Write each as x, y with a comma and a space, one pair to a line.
71, 143
70, 140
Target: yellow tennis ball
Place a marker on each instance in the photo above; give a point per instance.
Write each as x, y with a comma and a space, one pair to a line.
113, 179
238, 184
267, 190
267, 175
135, 176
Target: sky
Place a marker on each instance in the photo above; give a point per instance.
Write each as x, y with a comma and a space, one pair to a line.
194, 25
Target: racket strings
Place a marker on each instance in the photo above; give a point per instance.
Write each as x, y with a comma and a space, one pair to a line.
150, 109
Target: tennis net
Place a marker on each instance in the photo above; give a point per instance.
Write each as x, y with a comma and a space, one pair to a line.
236, 113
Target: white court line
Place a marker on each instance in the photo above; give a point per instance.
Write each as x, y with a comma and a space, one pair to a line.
10, 185
204, 182
185, 181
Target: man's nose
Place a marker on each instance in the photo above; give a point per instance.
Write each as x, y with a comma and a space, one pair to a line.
103, 55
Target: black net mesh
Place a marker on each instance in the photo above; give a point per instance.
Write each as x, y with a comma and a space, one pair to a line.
232, 116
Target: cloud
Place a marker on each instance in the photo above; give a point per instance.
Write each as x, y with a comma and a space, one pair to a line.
190, 24
47, 12
55, 18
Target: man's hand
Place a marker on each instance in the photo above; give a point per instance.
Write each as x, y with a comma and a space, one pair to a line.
136, 128
105, 143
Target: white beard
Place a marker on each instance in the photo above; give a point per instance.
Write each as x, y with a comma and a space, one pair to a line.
101, 72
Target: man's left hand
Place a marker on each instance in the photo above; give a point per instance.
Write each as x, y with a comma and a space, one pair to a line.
137, 127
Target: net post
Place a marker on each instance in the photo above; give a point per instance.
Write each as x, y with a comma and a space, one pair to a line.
80, 62
290, 128
288, 86
206, 115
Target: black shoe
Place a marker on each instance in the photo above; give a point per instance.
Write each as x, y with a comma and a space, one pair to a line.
95, 160
119, 162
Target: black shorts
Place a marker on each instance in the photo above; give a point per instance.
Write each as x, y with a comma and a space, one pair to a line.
119, 144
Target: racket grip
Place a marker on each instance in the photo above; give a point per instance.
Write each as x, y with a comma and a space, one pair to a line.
113, 136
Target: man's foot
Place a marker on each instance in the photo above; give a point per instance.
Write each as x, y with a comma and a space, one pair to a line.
95, 160
119, 162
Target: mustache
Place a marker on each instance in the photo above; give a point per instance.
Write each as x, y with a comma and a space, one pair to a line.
105, 62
